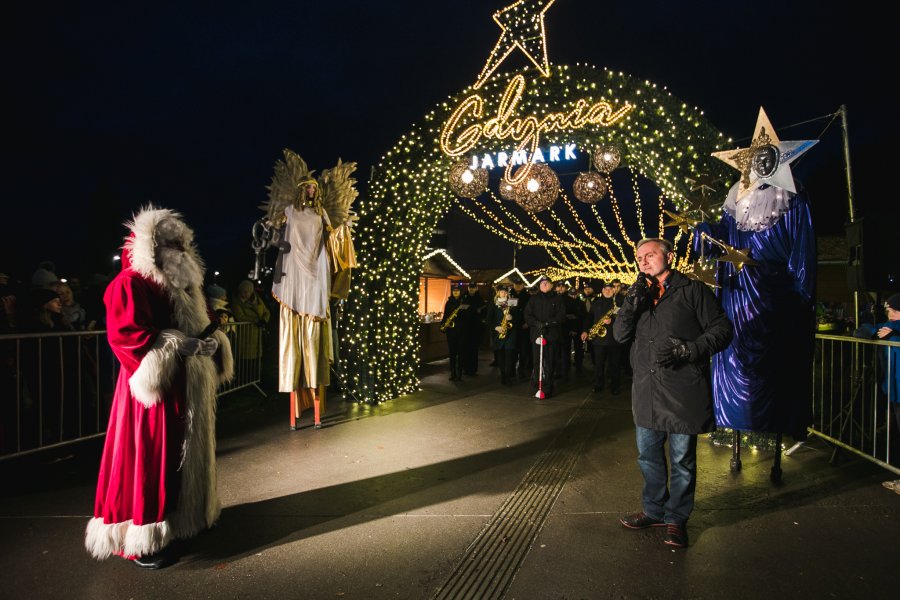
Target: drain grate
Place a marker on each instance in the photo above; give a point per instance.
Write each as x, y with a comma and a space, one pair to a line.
492, 560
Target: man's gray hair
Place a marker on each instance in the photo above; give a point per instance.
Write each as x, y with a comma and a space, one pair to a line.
665, 244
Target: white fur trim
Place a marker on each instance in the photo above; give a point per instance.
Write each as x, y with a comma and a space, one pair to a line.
142, 246
227, 358
103, 540
157, 370
198, 506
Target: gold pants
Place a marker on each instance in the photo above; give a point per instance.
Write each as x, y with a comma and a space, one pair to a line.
305, 352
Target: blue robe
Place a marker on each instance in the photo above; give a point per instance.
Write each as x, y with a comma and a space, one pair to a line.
762, 380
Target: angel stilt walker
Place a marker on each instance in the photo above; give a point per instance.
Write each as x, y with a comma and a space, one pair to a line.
315, 256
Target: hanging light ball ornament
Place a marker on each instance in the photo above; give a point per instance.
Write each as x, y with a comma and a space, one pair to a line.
607, 157
507, 190
539, 190
467, 182
590, 187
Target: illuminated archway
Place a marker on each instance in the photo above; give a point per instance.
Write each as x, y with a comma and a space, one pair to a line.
662, 139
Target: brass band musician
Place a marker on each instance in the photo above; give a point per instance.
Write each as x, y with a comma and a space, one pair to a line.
607, 351
452, 324
504, 321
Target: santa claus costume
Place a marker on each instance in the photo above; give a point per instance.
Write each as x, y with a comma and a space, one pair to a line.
157, 478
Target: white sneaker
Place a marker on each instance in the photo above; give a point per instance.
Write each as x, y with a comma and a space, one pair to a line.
892, 485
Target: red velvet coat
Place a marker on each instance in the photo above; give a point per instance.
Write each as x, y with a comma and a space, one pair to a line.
157, 476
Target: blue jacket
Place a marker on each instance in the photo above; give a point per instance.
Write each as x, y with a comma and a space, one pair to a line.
890, 356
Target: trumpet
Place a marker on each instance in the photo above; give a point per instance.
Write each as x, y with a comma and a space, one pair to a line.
598, 329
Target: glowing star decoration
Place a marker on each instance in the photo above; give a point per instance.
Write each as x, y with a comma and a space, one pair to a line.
523, 27
703, 206
739, 258
680, 221
703, 271
702, 198
705, 184
767, 160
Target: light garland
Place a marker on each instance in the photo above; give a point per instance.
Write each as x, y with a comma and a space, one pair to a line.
522, 25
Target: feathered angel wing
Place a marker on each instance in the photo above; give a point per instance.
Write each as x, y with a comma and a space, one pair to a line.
339, 192
284, 190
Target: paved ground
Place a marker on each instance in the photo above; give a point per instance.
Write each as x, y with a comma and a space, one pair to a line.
461, 490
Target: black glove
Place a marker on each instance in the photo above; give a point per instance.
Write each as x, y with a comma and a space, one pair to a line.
638, 291
674, 353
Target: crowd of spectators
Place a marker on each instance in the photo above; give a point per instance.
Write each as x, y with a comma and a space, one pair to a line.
47, 303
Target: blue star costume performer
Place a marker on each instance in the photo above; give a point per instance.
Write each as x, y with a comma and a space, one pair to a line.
761, 382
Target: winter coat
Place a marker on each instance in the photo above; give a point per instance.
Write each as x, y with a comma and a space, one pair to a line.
454, 330
495, 317
676, 399
575, 314
889, 358
157, 479
249, 337
546, 313
599, 307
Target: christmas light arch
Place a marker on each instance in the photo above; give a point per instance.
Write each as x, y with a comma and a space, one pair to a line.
662, 139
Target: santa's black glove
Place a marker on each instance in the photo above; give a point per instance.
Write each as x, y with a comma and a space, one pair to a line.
675, 352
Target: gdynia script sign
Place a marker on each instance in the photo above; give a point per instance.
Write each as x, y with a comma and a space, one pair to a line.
458, 139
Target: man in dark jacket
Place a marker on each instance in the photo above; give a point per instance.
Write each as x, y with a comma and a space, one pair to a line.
676, 324
472, 328
523, 342
545, 315
607, 351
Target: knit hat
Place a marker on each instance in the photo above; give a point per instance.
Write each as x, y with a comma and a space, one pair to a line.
894, 301
43, 278
245, 286
216, 291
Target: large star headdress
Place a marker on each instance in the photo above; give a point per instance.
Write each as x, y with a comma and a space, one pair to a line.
767, 160
523, 27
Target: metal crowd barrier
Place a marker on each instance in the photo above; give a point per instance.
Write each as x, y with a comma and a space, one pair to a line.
247, 348
851, 401
57, 388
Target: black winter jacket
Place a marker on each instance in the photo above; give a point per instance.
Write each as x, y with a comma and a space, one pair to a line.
675, 399
546, 313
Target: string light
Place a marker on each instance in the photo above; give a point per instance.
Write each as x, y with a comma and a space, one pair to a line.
522, 25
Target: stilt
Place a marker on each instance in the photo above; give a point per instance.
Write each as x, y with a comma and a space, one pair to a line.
318, 406
294, 411
735, 451
775, 475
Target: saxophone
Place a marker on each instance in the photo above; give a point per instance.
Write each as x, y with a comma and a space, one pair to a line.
598, 329
505, 323
449, 323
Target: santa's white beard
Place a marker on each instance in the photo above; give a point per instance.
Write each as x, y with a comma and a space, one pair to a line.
179, 268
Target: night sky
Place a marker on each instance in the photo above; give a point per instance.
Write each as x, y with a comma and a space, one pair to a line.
188, 105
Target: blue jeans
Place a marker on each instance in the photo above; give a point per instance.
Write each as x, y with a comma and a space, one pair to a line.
670, 499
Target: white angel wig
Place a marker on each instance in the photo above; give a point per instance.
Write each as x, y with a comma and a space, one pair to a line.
161, 248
